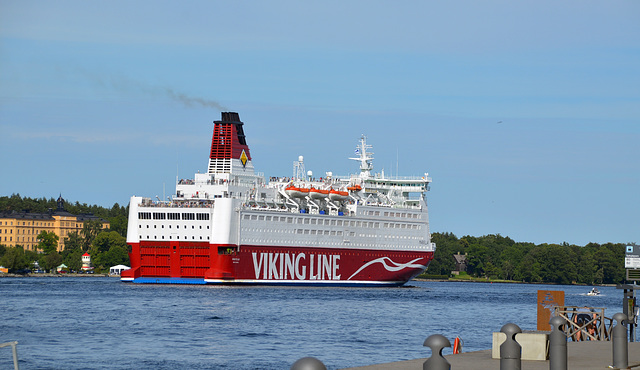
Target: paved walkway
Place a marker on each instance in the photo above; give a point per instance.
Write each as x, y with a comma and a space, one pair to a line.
581, 355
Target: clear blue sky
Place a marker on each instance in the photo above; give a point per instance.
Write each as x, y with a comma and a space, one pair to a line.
526, 114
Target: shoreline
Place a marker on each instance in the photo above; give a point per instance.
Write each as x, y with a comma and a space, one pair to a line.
501, 282
7, 275
54, 275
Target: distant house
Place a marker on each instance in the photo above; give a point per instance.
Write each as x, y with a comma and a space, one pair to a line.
461, 263
117, 270
61, 268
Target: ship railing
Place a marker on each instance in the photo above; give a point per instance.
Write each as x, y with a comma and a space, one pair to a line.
181, 204
14, 350
390, 178
597, 327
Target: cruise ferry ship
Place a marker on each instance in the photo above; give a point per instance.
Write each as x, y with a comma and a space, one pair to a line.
232, 226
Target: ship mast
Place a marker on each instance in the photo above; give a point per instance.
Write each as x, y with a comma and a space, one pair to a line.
365, 158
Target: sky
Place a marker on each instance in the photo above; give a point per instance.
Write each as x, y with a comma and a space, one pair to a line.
526, 114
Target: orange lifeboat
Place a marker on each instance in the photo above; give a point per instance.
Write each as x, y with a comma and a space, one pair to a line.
318, 194
354, 188
296, 192
338, 195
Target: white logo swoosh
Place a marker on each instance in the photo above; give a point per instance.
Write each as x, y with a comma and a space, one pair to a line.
396, 266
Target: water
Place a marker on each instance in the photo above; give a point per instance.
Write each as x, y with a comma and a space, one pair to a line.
99, 322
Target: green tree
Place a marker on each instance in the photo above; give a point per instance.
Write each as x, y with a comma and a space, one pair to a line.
73, 259
15, 258
108, 247
529, 269
72, 253
447, 244
116, 255
556, 264
119, 225
47, 242
50, 261
477, 258
90, 231
72, 242
610, 259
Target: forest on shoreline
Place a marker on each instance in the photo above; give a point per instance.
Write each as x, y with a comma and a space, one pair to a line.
499, 257
490, 256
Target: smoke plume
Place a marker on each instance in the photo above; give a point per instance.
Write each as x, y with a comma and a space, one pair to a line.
126, 85
190, 101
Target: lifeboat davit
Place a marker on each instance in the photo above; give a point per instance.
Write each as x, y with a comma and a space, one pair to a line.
318, 194
338, 195
354, 188
296, 192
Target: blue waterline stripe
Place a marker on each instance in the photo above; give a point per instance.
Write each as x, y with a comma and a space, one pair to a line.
193, 281
144, 280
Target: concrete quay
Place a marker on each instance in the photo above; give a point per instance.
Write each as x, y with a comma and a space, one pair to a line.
581, 355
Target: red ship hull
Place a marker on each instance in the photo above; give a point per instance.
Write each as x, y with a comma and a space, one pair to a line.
204, 263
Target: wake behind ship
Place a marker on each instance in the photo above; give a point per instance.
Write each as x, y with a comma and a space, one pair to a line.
231, 226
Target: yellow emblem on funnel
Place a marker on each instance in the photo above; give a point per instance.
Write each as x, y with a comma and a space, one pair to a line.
244, 158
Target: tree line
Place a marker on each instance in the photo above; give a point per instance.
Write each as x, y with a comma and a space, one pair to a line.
499, 257
107, 247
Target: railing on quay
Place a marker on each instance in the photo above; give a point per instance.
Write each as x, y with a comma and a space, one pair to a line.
14, 349
585, 323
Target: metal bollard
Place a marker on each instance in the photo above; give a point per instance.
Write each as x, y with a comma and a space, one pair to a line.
619, 342
308, 363
437, 343
510, 350
557, 345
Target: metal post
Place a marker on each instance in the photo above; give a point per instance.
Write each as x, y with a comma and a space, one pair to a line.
308, 363
629, 307
619, 342
14, 350
437, 343
557, 345
510, 350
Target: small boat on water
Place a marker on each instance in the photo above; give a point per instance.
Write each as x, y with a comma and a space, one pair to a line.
594, 291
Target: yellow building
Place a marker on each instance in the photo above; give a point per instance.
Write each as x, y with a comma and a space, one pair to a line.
22, 228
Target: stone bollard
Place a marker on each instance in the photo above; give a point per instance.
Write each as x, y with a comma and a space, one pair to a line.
437, 343
308, 363
557, 345
510, 350
619, 342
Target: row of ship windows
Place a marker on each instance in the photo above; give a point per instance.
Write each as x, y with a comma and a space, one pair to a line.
341, 253
394, 245
334, 233
155, 237
392, 214
177, 226
327, 222
172, 216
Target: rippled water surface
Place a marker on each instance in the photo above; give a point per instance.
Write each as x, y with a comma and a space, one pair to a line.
99, 322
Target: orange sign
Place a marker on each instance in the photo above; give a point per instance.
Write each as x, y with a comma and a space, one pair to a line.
547, 299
